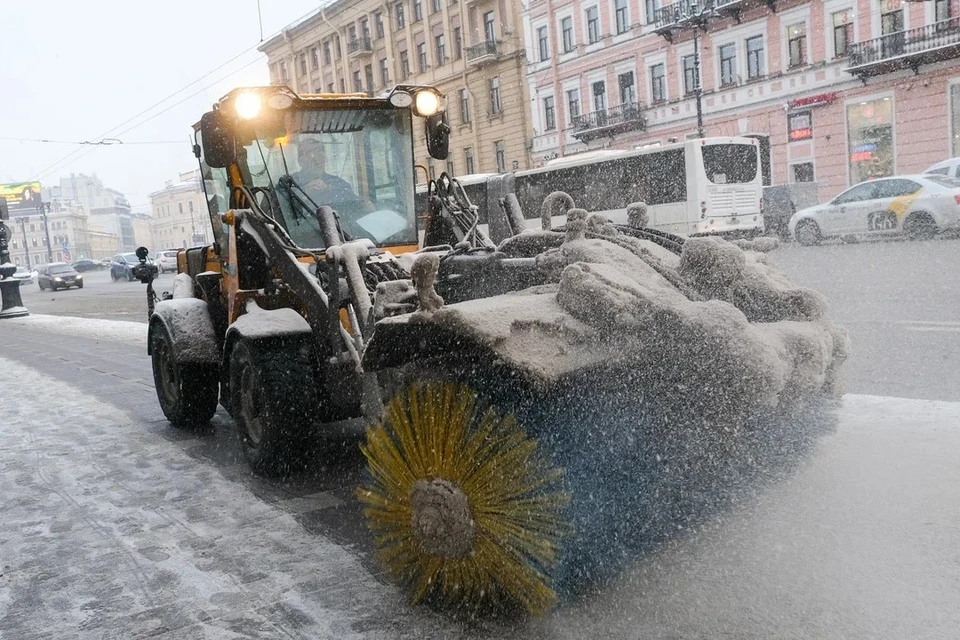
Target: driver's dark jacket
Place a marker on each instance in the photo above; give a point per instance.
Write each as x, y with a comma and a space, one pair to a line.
338, 190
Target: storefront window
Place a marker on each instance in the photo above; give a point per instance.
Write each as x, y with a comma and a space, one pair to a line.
955, 120
870, 139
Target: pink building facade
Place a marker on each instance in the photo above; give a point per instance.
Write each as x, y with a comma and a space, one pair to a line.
838, 90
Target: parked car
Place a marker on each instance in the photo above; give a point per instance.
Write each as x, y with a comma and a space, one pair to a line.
122, 264
166, 260
24, 275
949, 168
85, 264
919, 206
58, 275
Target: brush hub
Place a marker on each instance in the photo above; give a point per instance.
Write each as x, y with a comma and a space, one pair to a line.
441, 518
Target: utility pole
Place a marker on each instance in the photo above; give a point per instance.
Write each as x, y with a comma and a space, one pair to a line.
44, 210
26, 249
695, 18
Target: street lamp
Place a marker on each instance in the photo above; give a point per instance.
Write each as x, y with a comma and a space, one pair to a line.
696, 19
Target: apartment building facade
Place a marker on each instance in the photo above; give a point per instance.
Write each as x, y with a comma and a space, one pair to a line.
838, 90
68, 232
180, 219
471, 50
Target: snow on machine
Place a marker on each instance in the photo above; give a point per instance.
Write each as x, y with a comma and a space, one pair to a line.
540, 409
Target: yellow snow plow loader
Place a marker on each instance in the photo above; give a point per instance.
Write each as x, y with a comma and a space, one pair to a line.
540, 409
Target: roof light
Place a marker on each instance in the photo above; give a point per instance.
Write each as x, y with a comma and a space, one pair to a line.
247, 105
401, 99
427, 103
280, 101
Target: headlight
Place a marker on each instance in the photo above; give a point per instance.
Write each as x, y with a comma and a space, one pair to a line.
79, 277
247, 105
427, 103
58, 279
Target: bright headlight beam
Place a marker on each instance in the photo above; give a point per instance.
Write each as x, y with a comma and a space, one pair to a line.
247, 105
428, 103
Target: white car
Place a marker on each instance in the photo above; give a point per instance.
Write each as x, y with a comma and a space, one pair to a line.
919, 206
166, 261
949, 168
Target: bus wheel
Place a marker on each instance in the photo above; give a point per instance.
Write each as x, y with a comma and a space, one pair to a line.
808, 233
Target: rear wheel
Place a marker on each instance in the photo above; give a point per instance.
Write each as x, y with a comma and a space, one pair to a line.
187, 392
129, 275
273, 396
808, 233
920, 226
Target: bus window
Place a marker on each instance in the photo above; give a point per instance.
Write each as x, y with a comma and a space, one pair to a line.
602, 186
730, 163
666, 173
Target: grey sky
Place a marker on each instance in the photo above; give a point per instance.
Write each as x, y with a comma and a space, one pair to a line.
71, 71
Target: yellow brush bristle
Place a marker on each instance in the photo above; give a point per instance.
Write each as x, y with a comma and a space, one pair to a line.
434, 432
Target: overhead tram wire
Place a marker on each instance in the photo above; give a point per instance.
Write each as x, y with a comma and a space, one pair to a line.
80, 152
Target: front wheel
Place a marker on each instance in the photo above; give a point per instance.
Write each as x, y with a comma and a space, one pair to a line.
272, 395
808, 233
80, 286
187, 392
130, 275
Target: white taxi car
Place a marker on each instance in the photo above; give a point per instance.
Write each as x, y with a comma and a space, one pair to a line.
919, 206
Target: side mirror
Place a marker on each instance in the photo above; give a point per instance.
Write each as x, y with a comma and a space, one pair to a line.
218, 148
438, 136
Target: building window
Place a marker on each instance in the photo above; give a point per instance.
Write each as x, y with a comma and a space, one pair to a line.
464, 106
573, 104
500, 155
651, 7
566, 29
378, 24
314, 59
941, 11
593, 25
468, 160
870, 139
365, 28
955, 119
180, 208
337, 52
621, 11
330, 87
891, 26
441, 42
728, 65
599, 91
283, 71
755, 57
450, 168
303, 64
457, 43
543, 44
417, 10
368, 77
658, 85
799, 126
495, 106
190, 206
422, 56
431, 171
689, 74
797, 44
489, 29
384, 72
802, 172
434, 6
628, 89
842, 32
549, 114
401, 20
326, 53
357, 82
404, 65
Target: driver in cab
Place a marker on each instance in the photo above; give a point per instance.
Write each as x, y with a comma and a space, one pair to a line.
322, 187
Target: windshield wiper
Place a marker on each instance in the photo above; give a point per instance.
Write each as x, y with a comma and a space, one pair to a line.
327, 218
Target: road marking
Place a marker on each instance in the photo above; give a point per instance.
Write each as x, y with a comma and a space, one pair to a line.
930, 325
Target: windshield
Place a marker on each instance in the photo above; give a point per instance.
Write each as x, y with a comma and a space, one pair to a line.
730, 163
63, 268
944, 181
356, 162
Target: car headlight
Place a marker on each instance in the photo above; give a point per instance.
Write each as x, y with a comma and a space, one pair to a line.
58, 279
79, 277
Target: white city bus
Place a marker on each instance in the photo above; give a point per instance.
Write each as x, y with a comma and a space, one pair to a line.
698, 187
701, 186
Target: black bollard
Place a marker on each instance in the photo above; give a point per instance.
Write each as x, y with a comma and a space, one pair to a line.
9, 286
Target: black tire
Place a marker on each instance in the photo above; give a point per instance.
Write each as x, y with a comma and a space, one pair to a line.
920, 226
187, 393
807, 233
113, 276
40, 284
80, 286
272, 396
53, 287
130, 275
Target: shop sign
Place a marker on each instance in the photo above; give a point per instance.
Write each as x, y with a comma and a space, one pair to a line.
812, 101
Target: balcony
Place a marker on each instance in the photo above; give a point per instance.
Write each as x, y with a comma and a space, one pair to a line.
678, 15
906, 49
609, 122
359, 48
483, 53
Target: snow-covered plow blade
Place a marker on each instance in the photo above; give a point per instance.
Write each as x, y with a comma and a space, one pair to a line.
536, 441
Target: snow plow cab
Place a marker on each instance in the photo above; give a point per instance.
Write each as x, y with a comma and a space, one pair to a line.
539, 410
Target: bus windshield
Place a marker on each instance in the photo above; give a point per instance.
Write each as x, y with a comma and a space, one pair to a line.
358, 162
730, 163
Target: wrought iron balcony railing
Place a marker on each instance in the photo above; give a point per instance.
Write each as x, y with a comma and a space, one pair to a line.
910, 48
609, 122
481, 51
359, 47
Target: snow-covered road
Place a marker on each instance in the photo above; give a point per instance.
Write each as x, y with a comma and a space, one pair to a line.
111, 529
